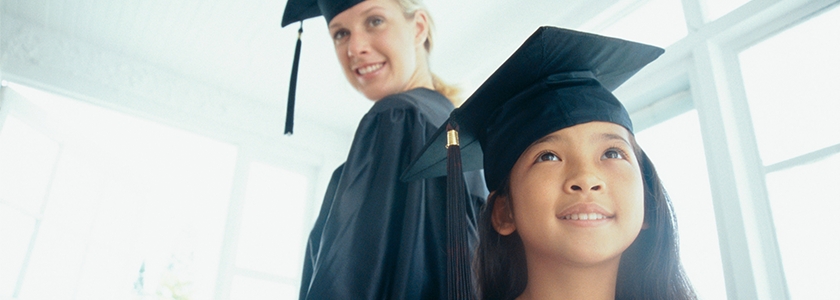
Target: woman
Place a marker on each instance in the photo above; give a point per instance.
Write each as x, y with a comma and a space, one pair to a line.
377, 237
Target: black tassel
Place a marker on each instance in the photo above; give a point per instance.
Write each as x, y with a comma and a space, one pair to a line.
459, 281
290, 106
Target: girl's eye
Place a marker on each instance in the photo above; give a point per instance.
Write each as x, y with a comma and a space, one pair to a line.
547, 156
613, 154
340, 34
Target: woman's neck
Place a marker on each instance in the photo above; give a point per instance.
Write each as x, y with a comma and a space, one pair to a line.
561, 281
422, 77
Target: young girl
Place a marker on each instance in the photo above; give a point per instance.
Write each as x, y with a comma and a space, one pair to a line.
577, 210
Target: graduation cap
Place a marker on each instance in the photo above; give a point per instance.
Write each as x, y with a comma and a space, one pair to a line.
558, 78
297, 11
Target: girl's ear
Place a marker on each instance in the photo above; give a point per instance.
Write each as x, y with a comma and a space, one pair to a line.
502, 216
421, 22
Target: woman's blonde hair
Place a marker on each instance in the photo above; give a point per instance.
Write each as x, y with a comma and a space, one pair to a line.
409, 7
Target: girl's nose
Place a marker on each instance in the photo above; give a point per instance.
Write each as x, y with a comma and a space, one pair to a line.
579, 188
583, 180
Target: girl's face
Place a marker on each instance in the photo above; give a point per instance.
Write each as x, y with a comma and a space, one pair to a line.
379, 48
577, 196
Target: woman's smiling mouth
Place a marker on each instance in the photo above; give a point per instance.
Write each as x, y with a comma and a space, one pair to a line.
370, 68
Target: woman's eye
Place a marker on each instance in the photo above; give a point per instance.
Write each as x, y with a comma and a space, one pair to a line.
340, 34
613, 154
375, 21
547, 156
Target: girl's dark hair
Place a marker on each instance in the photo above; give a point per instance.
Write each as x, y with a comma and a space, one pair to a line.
649, 269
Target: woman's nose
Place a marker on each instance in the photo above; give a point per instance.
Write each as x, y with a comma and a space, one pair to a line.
357, 45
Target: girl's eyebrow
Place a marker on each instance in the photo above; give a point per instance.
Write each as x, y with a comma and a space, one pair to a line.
612, 136
607, 136
548, 139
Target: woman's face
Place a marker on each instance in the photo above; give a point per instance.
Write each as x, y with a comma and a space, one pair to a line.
378, 47
577, 196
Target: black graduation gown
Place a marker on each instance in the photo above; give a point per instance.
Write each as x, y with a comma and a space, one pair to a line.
377, 237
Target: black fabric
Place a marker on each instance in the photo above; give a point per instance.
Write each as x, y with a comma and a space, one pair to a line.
551, 105
556, 79
299, 10
378, 237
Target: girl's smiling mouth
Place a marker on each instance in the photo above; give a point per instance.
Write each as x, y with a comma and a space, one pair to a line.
584, 216
585, 212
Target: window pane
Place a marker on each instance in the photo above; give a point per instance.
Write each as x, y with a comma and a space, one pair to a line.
803, 200
657, 22
246, 288
790, 81
676, 148
128, 193
26, 163
272, 222
60, 249
16, 231
714, 9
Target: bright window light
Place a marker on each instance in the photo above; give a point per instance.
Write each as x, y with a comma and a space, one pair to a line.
676, 149
271, 234
657, 22
136, 209
809, 245
250, 288
794, 111
714, 9
27, 158
16, 229
790, 81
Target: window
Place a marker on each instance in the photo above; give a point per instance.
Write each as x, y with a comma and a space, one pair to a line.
714, 9
27, 159
271, 239
676, 148
655, 22
790, 82
127, 210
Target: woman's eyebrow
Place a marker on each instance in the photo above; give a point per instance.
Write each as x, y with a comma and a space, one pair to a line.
365, 12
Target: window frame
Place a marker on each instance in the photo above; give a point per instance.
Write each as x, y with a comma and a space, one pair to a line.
706, 61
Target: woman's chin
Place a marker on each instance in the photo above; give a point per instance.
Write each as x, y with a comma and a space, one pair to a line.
375, 93
372, 96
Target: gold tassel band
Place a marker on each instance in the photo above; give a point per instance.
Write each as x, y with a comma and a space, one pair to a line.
452, 138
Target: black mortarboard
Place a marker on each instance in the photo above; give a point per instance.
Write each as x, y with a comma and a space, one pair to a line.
558, 78
299, 10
